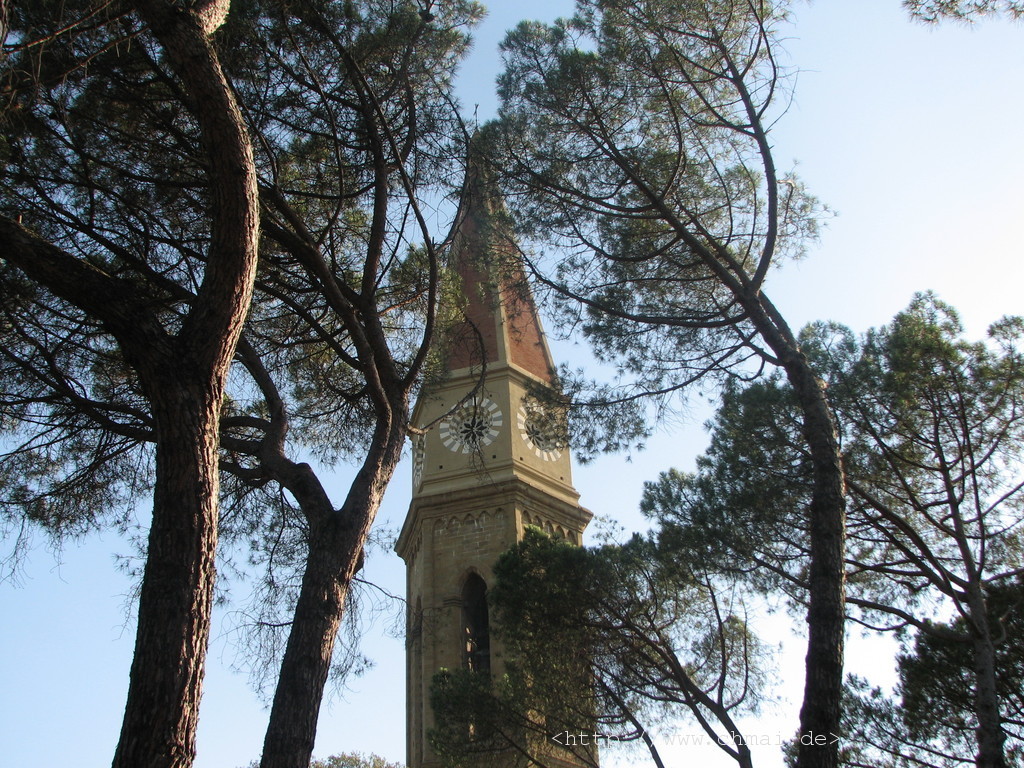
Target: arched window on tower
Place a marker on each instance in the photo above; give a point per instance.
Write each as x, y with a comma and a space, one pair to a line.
416, 677
475, 625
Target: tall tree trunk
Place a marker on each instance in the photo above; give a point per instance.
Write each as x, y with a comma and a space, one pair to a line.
185, 395
990, 735
826, 612
182, 369
336, 542
331, 562
161, 715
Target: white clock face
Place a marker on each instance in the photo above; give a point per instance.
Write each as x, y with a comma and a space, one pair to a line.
542, 429
472, 426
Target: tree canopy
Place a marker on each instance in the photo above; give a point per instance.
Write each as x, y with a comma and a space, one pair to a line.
932, 11
931, 426
70, 59
636, 140
931, 721
344, 113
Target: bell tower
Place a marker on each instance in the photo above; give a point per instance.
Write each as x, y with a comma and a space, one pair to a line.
493, 459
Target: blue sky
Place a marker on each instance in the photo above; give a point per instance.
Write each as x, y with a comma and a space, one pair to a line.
913, 135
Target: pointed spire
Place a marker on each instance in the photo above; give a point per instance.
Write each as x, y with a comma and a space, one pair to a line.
502, 324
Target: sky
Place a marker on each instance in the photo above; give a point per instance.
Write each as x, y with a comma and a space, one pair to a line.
912, 135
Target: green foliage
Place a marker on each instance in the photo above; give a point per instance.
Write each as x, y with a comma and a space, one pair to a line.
929, 422
635, 138
932, 11
632, 137
348, 106
475, 717
106, 161
343, 96
64, 469
940, 669
931, 719
932, 427
613, 640
353, 760
73, 420
347, 760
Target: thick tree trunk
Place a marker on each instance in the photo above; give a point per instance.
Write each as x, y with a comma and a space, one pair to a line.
990, 735
335, 555
162, 711
182, 370
185, 396
161, 715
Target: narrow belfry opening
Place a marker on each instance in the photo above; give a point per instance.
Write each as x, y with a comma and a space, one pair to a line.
415, 745
475, 625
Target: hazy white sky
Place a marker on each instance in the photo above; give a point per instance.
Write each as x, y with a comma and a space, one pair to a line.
912, 135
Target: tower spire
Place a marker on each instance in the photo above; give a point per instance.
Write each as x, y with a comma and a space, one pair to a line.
501, 323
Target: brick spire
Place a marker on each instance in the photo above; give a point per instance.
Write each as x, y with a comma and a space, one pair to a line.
502, 325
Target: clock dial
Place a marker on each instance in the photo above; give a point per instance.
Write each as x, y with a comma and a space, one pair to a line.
543, 429
472, 426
